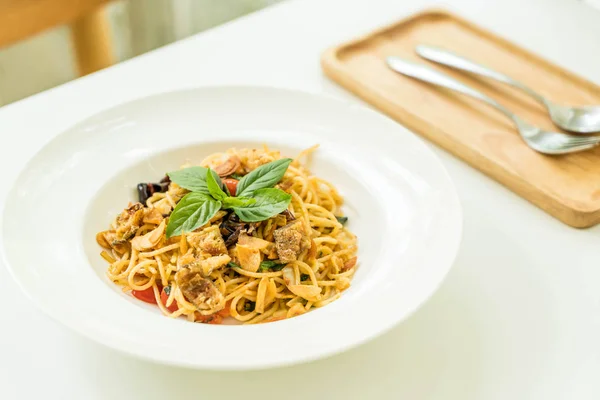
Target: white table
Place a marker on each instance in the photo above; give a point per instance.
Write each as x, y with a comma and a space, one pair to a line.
517, 318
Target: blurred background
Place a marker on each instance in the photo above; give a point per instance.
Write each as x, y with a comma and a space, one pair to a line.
38, 51
44, 43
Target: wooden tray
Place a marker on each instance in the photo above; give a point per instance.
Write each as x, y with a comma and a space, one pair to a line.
567, 187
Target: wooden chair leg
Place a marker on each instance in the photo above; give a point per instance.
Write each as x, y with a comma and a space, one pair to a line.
92, 43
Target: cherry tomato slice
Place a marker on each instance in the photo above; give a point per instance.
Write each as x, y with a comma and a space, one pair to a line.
231, 185
164, 297
226, 312
213, 319
146, 295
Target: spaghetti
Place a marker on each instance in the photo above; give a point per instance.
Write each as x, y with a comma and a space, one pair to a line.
305, 255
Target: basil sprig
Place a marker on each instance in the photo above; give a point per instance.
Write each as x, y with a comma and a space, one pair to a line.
256, 200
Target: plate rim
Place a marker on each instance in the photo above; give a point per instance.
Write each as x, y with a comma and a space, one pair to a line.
453, 249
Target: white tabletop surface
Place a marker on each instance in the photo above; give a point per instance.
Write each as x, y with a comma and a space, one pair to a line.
517, 318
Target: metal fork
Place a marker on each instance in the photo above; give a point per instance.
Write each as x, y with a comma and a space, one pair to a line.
543, 141
581, 119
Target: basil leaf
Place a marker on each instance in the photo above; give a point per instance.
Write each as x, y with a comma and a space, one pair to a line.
304, 277
236, 176
231, 264
214, 188
342, 220
269, 202
230, 202
272, 265
193, 211
265, 176
193, 179
226, 190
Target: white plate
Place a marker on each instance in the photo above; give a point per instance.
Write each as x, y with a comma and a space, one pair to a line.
400, 200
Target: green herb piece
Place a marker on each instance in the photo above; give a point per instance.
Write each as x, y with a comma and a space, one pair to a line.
304, 277
265, 176
236, 176
193, 210
167, 290
257, 200
227, 190
214, 188
269, 202
231, 202
342, 220
193, 179
231, 264
272, 265
249, 306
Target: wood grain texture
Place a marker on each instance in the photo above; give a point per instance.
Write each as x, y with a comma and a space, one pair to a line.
567, 186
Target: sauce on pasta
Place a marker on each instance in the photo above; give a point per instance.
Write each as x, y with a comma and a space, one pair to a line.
231, 269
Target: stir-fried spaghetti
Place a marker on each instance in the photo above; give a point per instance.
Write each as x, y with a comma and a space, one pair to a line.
301, 258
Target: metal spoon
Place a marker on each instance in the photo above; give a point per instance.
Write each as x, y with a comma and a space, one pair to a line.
538, 139
585, 119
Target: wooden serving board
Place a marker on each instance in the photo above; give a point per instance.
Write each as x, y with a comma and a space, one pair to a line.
567, 186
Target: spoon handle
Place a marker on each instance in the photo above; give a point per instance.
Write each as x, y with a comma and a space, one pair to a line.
453, 60
430, 75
